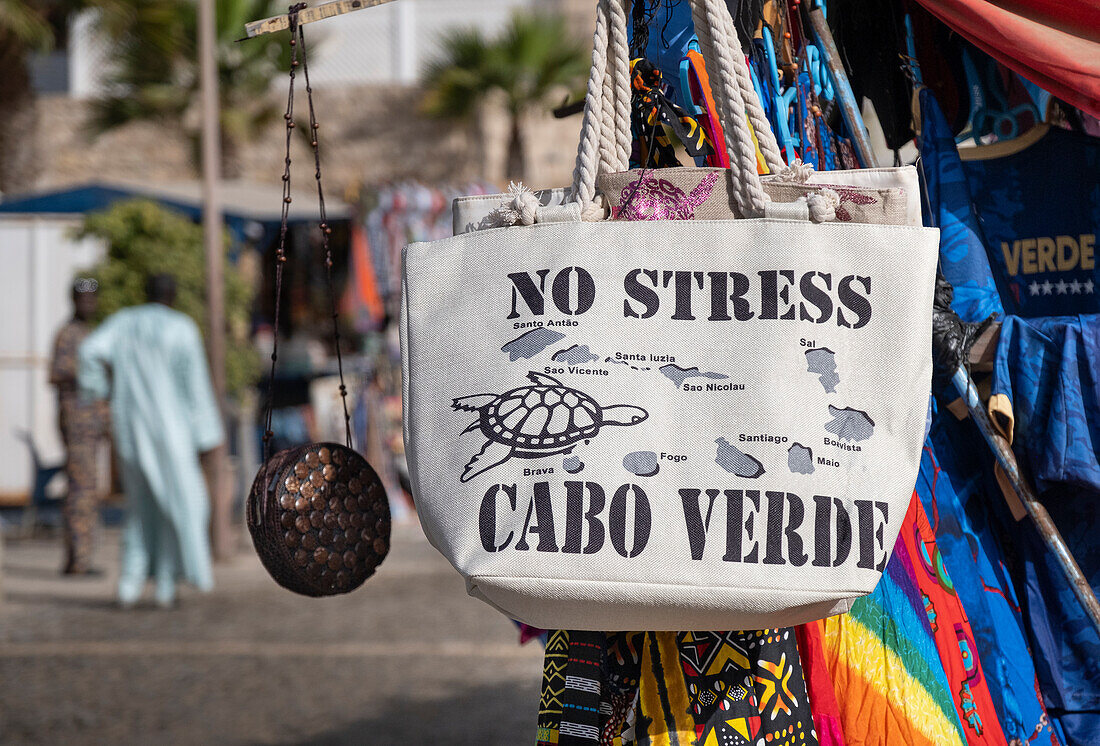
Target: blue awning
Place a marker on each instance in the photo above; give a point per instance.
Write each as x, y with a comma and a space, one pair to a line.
248, 208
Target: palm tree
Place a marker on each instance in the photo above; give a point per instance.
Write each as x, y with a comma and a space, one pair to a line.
156, 75
26, 26
534, 58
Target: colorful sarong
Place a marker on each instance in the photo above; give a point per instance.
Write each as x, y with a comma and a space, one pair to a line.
889, 683
723, 689
950, 629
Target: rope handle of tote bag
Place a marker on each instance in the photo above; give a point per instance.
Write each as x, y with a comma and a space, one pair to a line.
605, 139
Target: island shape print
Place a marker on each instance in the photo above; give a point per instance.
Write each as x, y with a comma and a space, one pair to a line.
531, 343
822, 362
678, 375
542, 419
800, 459
850, 424
575, 355
737, 462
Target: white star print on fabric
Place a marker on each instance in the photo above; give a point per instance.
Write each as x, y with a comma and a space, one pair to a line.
1061, 287
1075, 287
1088, 286
1033, 288
1047, 287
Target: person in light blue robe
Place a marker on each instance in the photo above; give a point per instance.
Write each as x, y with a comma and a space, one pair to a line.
149, 362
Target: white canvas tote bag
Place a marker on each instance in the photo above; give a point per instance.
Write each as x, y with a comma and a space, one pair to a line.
710, 424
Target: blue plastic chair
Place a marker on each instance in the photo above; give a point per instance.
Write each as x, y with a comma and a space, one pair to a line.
41, 507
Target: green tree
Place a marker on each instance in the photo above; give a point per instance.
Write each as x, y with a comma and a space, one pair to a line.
155, 76
143, 239
534, 58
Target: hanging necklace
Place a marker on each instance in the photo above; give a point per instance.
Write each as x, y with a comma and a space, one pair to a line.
317, 513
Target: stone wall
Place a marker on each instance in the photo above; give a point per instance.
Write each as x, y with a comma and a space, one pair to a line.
579, 14
369, 134
69, 151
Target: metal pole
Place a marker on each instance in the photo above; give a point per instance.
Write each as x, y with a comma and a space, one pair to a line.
213, 227
849, 107
1047, 530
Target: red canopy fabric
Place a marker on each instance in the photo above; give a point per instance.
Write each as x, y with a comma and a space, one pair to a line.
1053, 43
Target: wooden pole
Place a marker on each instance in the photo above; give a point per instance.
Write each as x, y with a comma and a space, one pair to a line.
1, 569
1049, 533
222, 539
308, 15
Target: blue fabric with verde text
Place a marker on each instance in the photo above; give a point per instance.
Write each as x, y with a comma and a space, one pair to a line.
1039, 214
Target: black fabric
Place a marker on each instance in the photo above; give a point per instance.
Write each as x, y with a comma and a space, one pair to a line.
871, 35
652, 110
747, 14
584, 683
952, 338
939, 52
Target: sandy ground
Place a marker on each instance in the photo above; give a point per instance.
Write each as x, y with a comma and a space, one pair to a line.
406, 659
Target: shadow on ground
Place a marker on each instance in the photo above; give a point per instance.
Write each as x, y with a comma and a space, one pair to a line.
497, 716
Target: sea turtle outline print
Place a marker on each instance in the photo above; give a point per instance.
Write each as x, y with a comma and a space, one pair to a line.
545, 418
652, 198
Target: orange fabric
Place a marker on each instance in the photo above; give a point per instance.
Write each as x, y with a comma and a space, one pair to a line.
720, 159
882, 725
362, 288
717, 135
880, 703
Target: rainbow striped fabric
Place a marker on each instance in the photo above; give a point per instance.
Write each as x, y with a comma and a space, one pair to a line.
890, 684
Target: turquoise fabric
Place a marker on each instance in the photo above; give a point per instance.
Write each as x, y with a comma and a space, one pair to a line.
149, 361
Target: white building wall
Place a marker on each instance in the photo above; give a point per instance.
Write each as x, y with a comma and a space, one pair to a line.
390, 43
393, 43
39, 257
89, 56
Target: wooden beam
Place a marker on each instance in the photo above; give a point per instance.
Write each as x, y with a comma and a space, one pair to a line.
984, 352
308, 15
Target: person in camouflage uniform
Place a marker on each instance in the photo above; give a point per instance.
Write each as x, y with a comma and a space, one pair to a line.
83, 426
